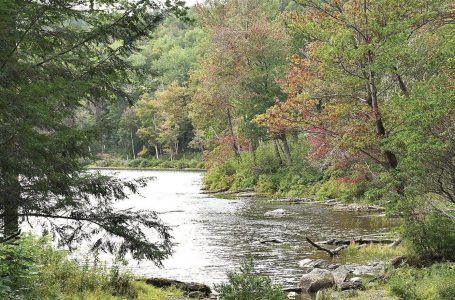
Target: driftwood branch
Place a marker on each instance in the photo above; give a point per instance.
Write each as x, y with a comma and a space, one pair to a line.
332, 253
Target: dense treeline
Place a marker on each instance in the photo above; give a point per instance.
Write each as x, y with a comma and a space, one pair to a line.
345, 99
327, 99
349, 99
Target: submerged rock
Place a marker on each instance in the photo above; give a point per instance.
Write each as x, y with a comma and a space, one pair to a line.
275, 213
292, 295
271, 241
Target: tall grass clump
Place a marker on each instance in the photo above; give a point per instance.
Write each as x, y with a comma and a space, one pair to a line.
249, 285
30, 268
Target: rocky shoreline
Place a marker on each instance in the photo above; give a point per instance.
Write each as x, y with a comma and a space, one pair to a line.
318, 274
336, 204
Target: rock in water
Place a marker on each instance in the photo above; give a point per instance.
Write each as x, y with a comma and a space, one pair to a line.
292, 295
316, 280
275, 213
308, 264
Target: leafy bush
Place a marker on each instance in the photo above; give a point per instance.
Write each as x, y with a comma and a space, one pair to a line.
427, 283
265, 184
431, 236
136, 162
248, 285
219, 177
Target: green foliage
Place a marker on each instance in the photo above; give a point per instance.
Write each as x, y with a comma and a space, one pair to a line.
421, 284
265, 184
57, 60
219, 177
264, 172
431, 236
31, 269
333, 189
249, 285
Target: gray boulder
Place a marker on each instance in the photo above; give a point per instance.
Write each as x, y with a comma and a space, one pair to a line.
309, 264
316, 280
340, 275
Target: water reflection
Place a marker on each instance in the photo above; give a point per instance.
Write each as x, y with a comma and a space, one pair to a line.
213, 235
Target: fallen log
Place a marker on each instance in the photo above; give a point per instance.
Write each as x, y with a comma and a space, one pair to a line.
332, 253
361, 241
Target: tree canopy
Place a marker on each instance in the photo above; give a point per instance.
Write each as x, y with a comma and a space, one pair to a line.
56, 57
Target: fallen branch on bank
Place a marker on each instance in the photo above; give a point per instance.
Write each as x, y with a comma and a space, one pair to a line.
332, 253
361, 241
343, 244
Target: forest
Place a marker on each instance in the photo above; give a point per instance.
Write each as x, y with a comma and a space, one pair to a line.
350, 101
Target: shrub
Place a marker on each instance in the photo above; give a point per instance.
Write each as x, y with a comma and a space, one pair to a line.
219, 177
165, 164
146, 163
426, 283
136, 162
431, 236
248, 285
265, 184
181, 164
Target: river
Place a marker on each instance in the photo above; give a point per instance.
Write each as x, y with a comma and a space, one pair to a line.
214, 235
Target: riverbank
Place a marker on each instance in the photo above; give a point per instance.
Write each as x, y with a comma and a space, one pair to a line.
183, 162
335, 204
378, 272
32, 269
126, 168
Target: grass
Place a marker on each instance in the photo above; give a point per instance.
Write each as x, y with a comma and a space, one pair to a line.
436, 282
371, 252
144, 292
31, 268
370, 294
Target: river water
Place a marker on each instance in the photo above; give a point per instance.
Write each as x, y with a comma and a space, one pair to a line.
214, 235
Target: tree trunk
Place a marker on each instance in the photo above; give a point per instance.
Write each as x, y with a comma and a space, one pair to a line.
277, 152
10, 198
401, 83
9, 178
157, 152
287, 152
132, 144
390, 157
252, 149
231, 132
